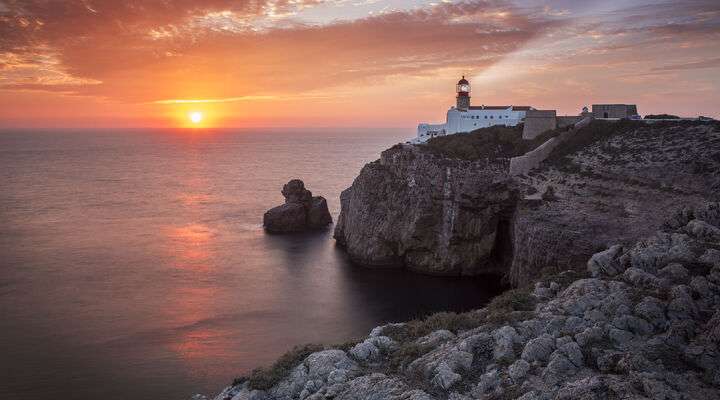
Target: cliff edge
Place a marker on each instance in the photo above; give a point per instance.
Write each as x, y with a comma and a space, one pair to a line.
430, 214
450, 207
640, 322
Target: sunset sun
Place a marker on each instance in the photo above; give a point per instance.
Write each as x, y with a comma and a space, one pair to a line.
196, 117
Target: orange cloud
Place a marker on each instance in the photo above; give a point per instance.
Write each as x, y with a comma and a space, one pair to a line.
247, 58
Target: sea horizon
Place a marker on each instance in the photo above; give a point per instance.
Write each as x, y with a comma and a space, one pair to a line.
145, 253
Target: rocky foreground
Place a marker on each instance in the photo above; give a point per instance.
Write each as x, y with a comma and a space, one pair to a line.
642, 322
617, 292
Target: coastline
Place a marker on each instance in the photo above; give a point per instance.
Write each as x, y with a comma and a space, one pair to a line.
583, 317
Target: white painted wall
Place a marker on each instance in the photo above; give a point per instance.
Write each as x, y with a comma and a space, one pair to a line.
466, 121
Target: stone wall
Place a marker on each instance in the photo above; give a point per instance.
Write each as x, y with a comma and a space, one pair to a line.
537, 122
567, 120
614, 110
523, 164
532, 159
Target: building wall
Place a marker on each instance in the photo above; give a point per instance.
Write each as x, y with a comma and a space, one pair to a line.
466, 121
463, 102
427, 131
537, 122
613, 110
567, 120
532, 159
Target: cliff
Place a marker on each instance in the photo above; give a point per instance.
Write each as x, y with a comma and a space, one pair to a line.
444, 208
639, 322
613, 244
611, 183
430, 214
450, 207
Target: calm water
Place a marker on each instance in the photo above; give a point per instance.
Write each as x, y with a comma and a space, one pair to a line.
133, 264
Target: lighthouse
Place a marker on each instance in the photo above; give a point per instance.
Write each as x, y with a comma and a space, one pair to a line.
464, 117
463, 94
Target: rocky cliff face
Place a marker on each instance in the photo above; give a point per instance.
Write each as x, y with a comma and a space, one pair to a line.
612, 190
430, 214
438, 214
643, 323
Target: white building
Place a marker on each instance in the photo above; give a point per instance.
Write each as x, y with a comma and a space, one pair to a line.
465, 118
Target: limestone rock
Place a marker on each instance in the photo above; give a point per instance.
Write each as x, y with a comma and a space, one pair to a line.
445, 377
318, 215
606, 263
433, 339
506, 338
435, 216
564, 362
300, 212
539, 349
288, 217
518, 370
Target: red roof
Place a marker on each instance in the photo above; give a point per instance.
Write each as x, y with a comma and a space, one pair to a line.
514, 108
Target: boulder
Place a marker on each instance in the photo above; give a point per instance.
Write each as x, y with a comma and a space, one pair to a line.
318, 215
300, 212
539, 349
288, 217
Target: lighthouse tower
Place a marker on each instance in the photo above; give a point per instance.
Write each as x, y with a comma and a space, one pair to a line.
463, 94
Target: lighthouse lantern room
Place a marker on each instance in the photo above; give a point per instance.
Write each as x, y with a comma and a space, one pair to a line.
463, 94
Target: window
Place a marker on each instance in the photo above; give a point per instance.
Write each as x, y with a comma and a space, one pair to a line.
486, 117
491, 117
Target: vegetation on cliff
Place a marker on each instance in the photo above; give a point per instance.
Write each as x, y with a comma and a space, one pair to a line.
486, 143
661, 116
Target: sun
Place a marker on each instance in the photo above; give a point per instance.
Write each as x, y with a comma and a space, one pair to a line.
196, 117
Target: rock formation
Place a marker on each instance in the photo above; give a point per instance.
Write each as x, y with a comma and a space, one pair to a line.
618, 292
431, 212
611, 188
642, 322
300, 212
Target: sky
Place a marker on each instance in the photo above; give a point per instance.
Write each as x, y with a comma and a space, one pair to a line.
346, 63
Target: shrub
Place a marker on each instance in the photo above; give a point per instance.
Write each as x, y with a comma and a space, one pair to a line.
661, 116
565, 278
453, 322
486, 143
346, 346
588, 135
265, 378
511, 305
407, 353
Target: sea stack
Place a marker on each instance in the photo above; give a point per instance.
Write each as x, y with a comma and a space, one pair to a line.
300, 212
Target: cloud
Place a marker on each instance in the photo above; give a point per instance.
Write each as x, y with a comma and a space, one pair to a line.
223, 100
231, 51
712, 63
139, 50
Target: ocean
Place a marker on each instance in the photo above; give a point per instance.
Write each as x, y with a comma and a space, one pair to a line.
133, 263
